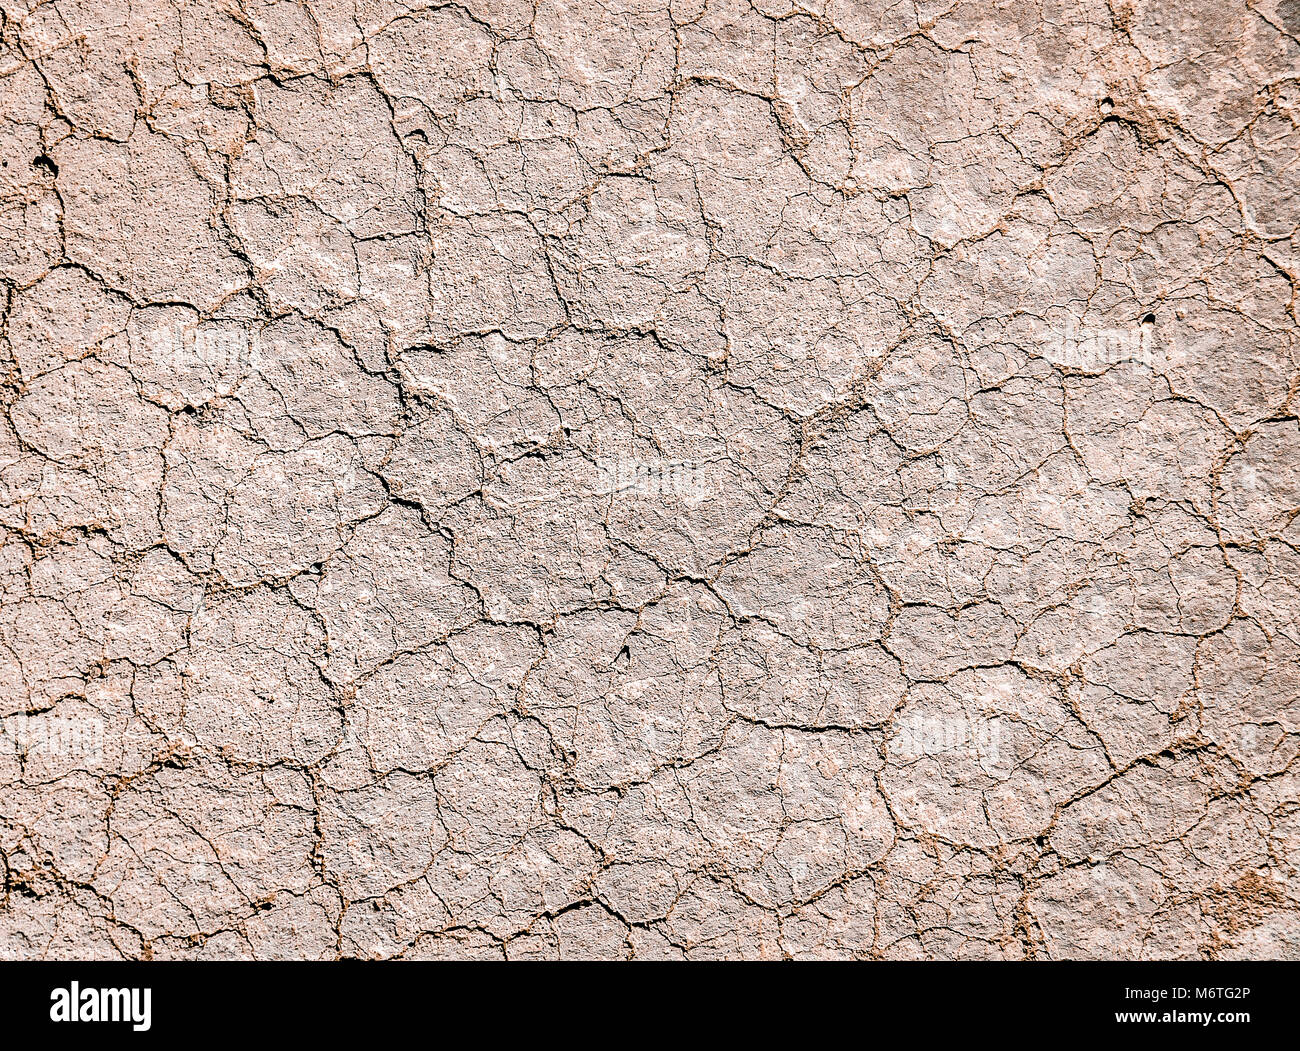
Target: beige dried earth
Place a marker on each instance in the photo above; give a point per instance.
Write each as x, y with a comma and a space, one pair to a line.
651, 478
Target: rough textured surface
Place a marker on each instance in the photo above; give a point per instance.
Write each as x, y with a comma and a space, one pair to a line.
656, 478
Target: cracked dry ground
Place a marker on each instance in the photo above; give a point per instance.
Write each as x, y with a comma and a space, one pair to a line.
511, 479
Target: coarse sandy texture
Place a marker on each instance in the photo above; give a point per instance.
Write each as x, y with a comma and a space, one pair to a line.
649, 478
